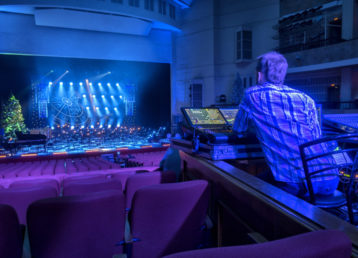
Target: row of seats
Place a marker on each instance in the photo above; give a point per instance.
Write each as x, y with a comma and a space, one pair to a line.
21, 194
165, 218
74, 165
54, 167
147, 158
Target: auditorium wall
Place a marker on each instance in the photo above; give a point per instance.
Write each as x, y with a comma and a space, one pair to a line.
205, 50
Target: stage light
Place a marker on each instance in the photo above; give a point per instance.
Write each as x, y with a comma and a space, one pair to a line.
93, 96
71, 83
108, 84
100, 126
115, 109
120, 96
97, 108
106, 108
61, 83
118, 126
117, 84
99, 84
52, 128
109, 126
112, 96
72, 127
87, 108
84, 95
92, 126
82, 126
81, 83
102, 96
50, 83
90, 84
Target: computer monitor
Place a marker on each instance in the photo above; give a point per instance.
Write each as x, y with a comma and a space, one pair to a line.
204, 116
229, 114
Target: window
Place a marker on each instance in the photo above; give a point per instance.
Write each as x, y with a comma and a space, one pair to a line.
172, 11
244, 45
134, 3
149, 5
162, 7
117, 1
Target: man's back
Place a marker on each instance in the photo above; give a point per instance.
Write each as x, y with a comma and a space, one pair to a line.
283, 119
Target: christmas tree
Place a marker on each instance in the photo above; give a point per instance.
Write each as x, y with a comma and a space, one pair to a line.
12, 119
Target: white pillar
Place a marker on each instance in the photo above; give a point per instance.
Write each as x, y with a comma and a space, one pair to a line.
346, 84
349, 15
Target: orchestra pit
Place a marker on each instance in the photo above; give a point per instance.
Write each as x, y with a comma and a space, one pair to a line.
178, 128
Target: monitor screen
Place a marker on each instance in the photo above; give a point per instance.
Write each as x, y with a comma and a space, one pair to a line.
205, 116
229, 114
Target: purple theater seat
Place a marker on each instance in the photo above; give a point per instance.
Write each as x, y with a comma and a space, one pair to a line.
168, 176
91, 186
77, 226
21, 198
81, 178
10, 233
319, 244
121, 176
167, 218
36, 182
138, 181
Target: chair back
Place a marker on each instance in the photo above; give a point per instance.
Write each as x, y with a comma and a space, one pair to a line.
319, 244
138, 181
91, 186
81, 178
35, 182
121, 176
328, 158
10, 233
168, 218
77, 226
21, 198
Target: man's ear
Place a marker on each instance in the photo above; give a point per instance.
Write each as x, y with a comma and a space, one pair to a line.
260, 78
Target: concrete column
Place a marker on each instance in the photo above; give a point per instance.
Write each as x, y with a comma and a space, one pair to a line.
349, 19
346, 84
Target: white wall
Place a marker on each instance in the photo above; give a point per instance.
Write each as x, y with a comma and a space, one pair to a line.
193, 54
19, 34
205, 49
259, 17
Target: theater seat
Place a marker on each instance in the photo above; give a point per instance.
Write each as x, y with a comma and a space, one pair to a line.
77, 226
319, 244
168, 218
21, 198
36, 182
10, 233
91, 186
138, 181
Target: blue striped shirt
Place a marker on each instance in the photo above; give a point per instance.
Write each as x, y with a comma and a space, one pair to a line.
283, 119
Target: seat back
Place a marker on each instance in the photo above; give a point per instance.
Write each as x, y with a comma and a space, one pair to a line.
35, 182
138, 181
319, 244
168, 218
21, 198
10, 233
77, 226
121, 176
91, 186
329, 157
81, 178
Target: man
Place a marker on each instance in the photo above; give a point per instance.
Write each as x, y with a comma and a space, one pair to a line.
283, 118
